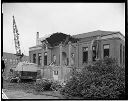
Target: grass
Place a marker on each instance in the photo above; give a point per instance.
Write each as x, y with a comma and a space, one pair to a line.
27, 87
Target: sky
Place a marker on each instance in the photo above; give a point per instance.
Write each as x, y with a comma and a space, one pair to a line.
48, 18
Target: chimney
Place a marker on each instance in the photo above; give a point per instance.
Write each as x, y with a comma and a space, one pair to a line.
37, 37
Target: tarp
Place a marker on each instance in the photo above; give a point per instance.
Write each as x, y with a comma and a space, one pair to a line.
24, 66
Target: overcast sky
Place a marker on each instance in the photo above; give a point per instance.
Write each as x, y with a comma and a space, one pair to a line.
48, 18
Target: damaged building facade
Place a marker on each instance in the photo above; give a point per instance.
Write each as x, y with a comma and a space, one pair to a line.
57, 54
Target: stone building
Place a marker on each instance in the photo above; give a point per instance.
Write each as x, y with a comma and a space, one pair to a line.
60, 52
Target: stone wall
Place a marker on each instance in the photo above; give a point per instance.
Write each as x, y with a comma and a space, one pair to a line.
63, 72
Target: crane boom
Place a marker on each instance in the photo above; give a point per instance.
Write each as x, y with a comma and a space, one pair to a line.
17, 42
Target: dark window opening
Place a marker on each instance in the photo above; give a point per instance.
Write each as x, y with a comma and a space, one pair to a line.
34, 58
94, 53
85, 54
123, 55
45, 59
55, 72
39, 59
106, 50
120, 53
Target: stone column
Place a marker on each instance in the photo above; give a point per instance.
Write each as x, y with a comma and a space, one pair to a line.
77, 54
69, 47
49, 57
90, 54
37, 58
98, 50
91, 51
60, 54
42, 70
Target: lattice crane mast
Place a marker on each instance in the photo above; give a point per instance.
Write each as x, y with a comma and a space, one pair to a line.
17, 42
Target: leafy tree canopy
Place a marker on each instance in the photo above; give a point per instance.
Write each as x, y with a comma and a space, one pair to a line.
57, 38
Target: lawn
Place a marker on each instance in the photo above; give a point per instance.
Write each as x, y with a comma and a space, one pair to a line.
27, 87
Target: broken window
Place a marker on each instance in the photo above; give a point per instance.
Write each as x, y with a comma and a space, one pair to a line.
45, 58
85, 54
39, 59
94, 53
34, 58
106, 50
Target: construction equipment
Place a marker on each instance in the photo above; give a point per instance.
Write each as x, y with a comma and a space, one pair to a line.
24, 70
17, 42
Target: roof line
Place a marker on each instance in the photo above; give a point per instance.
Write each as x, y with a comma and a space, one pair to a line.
95, 31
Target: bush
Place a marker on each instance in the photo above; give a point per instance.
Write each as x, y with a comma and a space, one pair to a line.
102, 80
43, 85
11, 77
56, 86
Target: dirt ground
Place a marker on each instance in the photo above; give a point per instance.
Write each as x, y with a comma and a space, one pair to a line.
25, 91
12, 94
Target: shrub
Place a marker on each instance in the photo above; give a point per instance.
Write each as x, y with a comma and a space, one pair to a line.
71, 88
56, 86
102, 80
11, 76
43, 85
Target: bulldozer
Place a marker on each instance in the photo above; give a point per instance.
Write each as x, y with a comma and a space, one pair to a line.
25, 71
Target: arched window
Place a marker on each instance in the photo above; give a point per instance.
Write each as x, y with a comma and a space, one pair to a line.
94, 53
34, 58
39, 59
45, 58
